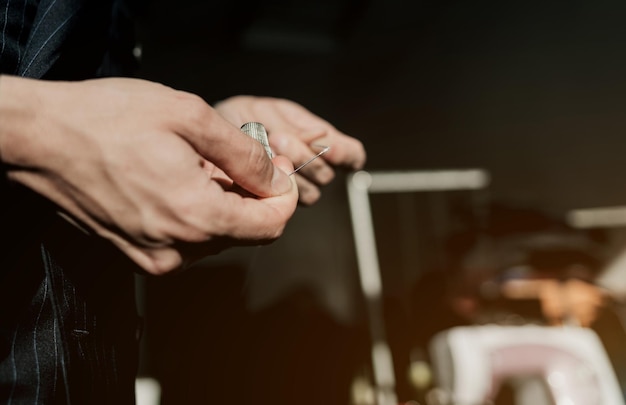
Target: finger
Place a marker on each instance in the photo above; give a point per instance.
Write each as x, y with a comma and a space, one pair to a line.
243, 159
256, 219
155, 261
314, 167
309, 192
318, 171
299, 116
310, 135
344, 150
217, 174
287, 117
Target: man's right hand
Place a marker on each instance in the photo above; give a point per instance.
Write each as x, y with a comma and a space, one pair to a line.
145, 166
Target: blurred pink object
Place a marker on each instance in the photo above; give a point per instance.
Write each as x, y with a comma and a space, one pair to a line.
471, 363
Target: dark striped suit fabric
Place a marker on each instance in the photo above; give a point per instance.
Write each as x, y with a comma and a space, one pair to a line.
68, 327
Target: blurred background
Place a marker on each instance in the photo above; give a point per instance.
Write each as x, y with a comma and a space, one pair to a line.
532, 92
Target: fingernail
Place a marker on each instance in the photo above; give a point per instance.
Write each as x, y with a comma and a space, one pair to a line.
280, 181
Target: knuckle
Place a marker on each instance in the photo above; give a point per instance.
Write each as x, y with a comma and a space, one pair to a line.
189, 225
176, 223
196, 109
225, 222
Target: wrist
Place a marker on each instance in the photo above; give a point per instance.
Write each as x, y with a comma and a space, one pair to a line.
19, 103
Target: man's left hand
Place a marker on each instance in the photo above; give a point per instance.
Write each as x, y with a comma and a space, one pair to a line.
294, 132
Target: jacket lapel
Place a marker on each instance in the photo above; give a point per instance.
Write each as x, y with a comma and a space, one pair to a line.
52, 24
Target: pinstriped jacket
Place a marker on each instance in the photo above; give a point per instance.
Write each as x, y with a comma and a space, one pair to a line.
68, 325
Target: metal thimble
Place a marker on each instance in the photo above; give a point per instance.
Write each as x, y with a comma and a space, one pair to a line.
257, 131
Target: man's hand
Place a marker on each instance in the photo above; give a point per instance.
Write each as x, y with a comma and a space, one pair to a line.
293, 132
145, 166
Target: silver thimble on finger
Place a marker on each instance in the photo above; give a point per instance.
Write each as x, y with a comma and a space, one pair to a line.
257, 131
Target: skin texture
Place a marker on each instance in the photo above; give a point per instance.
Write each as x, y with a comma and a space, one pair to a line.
156, 171
293, 132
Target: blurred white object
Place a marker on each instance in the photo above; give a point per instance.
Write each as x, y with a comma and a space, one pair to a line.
613, 277
600, 217
362, 392
360, 185
471, 363
147, 391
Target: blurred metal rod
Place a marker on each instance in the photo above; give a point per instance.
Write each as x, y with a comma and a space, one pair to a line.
599, 217
435, 180
360, 185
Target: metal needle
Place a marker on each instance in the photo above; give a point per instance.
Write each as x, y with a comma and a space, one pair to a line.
324, 150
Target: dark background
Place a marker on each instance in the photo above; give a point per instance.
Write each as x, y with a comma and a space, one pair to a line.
534, 92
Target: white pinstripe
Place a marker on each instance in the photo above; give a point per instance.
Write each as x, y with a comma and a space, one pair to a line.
19, 37
84, 308
43, 302
96, 349
56, 353
43, 17
14, 366
4, 28
46, 43
56, 314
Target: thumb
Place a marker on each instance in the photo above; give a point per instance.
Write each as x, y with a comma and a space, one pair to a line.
242, 158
